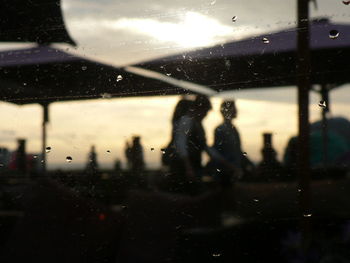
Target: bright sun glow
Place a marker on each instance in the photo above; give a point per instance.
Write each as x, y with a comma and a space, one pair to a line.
192, 30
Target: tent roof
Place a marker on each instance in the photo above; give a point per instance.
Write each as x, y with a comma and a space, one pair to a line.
281, 41
37, 21
44, 74
251, 63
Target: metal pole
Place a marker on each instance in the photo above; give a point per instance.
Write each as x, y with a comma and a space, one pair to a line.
325, 109
303, 80
45, 121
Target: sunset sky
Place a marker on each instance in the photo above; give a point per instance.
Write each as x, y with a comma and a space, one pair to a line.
127, 32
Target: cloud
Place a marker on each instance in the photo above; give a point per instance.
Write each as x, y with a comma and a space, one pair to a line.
191, 30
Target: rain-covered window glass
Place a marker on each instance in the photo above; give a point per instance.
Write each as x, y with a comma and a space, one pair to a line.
174, 131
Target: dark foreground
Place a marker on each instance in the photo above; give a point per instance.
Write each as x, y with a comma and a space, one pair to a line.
108, 220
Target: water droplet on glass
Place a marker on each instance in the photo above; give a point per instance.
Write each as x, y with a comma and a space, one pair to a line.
322, 104
245, 154
256, 200
265, 40
108, 151
24, 84
299, 190
48, 149
218, 170
152, 149
333, 34
346, 2
215, 255
84, 68
1, 165
168, 74
119, 78
234, 19
307, 215
35, 156
213, 2
163, 151
178, 69
69, 159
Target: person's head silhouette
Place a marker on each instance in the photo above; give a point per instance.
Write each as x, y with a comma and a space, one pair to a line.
200, 107
228, 110
181, 109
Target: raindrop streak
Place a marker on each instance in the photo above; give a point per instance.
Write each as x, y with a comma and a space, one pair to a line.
234, 19
119, 78
69, 159
307, 215
84, 68
265, 40
322, 104
48, 149
333, 34
346, 2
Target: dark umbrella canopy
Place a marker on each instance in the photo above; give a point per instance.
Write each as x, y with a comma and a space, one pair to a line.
37, 21
44, 74
263, 61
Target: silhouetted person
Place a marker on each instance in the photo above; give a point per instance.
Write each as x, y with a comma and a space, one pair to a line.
181, 109
118, 166
135, 152
269, 167
127, 152
227, 142
92, 165
21, 162
170, 157
190, 140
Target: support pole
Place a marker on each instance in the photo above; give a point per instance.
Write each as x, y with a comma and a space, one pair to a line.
45, 121
303, 80
325, 110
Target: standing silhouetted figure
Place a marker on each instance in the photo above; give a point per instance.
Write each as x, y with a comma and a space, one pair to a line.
228, 143
269, 167
92, 165
21, 162
135, 156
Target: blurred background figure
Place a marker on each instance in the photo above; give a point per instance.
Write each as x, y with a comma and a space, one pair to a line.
190, 143
227, 143
92, 165
269, 167
135, 161
170, 158
136, 153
